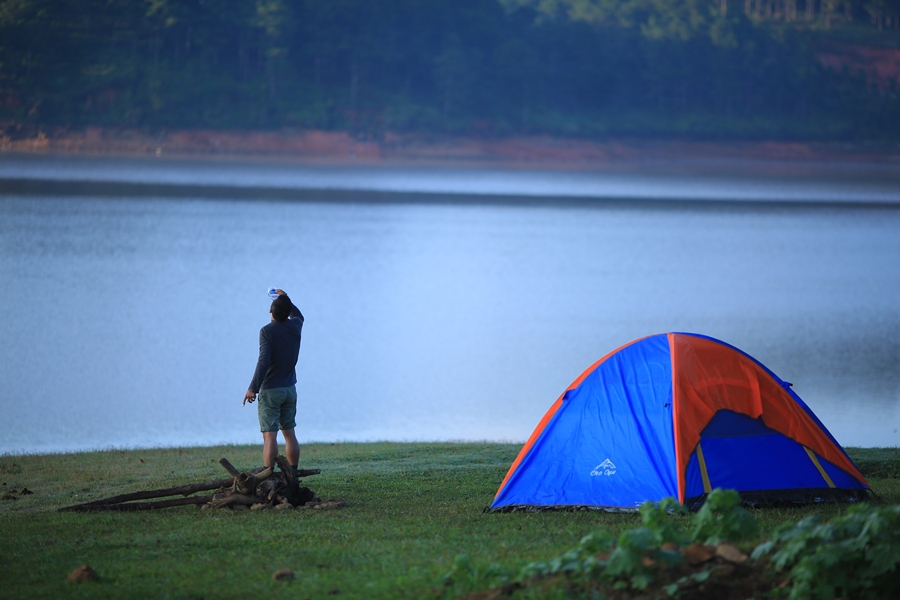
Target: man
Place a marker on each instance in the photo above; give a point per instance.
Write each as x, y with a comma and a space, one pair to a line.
275, 378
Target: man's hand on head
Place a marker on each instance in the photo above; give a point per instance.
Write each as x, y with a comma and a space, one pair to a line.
281, 292
250, 396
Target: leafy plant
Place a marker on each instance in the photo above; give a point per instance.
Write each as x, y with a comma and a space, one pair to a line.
630, 560
661, 519
856, 554
722, 518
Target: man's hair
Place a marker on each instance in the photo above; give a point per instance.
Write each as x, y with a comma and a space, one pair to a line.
281, 308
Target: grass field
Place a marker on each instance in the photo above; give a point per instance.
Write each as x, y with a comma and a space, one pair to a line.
412, 508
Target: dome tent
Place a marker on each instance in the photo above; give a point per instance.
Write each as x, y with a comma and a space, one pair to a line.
677, 414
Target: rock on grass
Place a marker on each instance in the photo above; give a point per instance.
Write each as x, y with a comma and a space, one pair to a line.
81, 574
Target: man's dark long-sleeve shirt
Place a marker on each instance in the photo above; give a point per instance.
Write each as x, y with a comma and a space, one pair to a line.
279, 347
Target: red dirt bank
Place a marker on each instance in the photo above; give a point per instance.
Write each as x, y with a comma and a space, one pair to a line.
331, 146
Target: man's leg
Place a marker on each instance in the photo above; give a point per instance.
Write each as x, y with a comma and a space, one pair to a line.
288, 422
270, 447
291, 447
269, 408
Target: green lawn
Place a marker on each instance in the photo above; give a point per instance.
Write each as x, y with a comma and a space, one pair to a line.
412, 508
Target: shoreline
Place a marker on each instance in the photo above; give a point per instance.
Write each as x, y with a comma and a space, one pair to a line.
523, 151
873, 453
115, 189
651, 175
254, 446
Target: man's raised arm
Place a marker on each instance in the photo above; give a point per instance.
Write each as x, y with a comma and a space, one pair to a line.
295, 313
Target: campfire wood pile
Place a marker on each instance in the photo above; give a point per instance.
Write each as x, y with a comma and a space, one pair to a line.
258, 488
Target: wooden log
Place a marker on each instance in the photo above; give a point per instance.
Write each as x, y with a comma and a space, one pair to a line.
235, 498
293, 486
247, 482
139, 505
229, 467
184, 490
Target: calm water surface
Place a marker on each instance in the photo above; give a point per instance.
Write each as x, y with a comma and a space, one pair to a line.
674, 180
134, 321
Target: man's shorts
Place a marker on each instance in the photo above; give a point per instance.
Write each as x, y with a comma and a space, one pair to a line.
277, 408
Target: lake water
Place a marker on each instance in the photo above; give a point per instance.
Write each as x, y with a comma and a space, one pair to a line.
133, 320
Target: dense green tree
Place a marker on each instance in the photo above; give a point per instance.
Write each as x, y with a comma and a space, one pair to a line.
586, 67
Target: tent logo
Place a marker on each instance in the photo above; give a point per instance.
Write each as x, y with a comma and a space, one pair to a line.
605, 468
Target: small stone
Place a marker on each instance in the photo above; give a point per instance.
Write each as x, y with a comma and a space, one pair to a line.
330, 504
731, 554
284, 506
697, 554
283, 575
81, 574
260, 506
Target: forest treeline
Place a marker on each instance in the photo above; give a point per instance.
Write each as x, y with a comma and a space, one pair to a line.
745, 69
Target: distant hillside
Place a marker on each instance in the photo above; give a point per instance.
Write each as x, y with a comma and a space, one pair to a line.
706, 69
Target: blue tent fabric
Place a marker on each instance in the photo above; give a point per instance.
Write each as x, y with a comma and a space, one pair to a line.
611, 444
742, 453
621, 415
